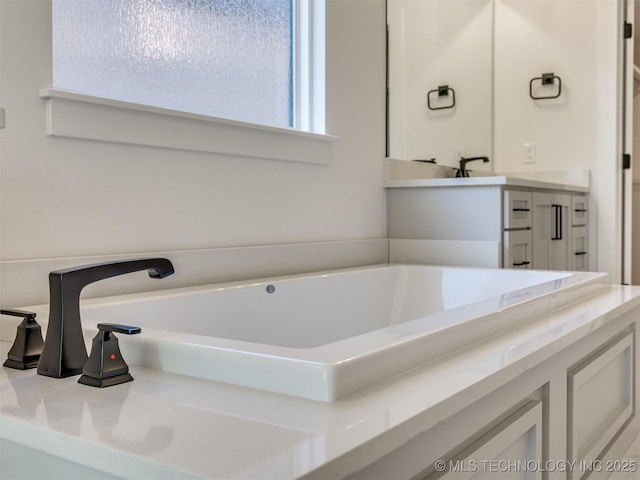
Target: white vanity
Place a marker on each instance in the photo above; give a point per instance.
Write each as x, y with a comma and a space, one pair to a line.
561, 420
488, 221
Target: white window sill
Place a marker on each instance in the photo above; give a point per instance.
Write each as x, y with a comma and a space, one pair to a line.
73, 115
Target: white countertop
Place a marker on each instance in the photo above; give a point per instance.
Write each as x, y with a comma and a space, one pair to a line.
484, 181
163, 424
404, 173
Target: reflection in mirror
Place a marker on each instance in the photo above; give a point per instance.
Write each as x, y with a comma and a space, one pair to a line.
440, 80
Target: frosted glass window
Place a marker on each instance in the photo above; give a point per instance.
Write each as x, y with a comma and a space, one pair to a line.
224, 58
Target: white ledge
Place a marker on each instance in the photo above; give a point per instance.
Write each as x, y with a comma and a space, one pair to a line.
73, 115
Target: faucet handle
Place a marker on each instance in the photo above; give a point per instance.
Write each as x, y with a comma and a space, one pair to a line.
105, 366
118, 328
18, 313
27, 347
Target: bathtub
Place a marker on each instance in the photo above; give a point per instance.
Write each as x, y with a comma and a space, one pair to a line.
325, 335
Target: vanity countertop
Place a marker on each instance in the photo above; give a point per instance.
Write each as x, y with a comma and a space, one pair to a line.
165, 425
403, 174
508, 181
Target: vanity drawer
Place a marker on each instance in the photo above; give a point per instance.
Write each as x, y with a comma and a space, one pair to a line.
580, 251
579, 210
517, 209
518, 249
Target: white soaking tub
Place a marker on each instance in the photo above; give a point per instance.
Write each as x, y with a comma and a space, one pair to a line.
325, 335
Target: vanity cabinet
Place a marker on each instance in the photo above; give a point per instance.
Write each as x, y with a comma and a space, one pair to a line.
489, 226
570, 418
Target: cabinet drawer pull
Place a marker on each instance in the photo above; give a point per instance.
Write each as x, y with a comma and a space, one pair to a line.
521, 209
580, 253
557, 235
580, 210
521, 264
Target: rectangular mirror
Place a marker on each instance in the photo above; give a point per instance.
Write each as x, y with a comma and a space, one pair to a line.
440, 62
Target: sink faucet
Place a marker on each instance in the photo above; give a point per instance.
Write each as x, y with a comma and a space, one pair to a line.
463, 163
64, 352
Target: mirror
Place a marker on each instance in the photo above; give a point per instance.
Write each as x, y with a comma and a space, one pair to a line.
440, 80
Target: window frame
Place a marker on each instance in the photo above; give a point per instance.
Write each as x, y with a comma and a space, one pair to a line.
309, 61
74, 115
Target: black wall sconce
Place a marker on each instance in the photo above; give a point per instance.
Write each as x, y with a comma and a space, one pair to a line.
441, 91
546, 79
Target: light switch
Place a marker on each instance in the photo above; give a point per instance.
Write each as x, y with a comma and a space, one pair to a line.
2, 117
529, 152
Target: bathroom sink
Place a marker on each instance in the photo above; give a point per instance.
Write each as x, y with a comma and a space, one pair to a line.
324, 335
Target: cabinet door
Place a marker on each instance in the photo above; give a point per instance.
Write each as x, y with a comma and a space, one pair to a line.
517, 249
502, 452
551, 229
541, 232
579, 250
560, 230
600, 399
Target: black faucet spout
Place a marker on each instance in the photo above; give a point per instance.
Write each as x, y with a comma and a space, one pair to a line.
463, 164
64, 352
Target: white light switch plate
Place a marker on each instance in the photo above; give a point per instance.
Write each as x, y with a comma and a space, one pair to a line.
529, 153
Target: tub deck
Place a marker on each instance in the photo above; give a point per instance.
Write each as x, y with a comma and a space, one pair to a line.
164, 425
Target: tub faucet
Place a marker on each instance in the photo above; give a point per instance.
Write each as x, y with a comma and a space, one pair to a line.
64, 352
462, 172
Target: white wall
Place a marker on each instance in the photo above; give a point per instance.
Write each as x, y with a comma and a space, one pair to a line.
63, 197
579, 41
